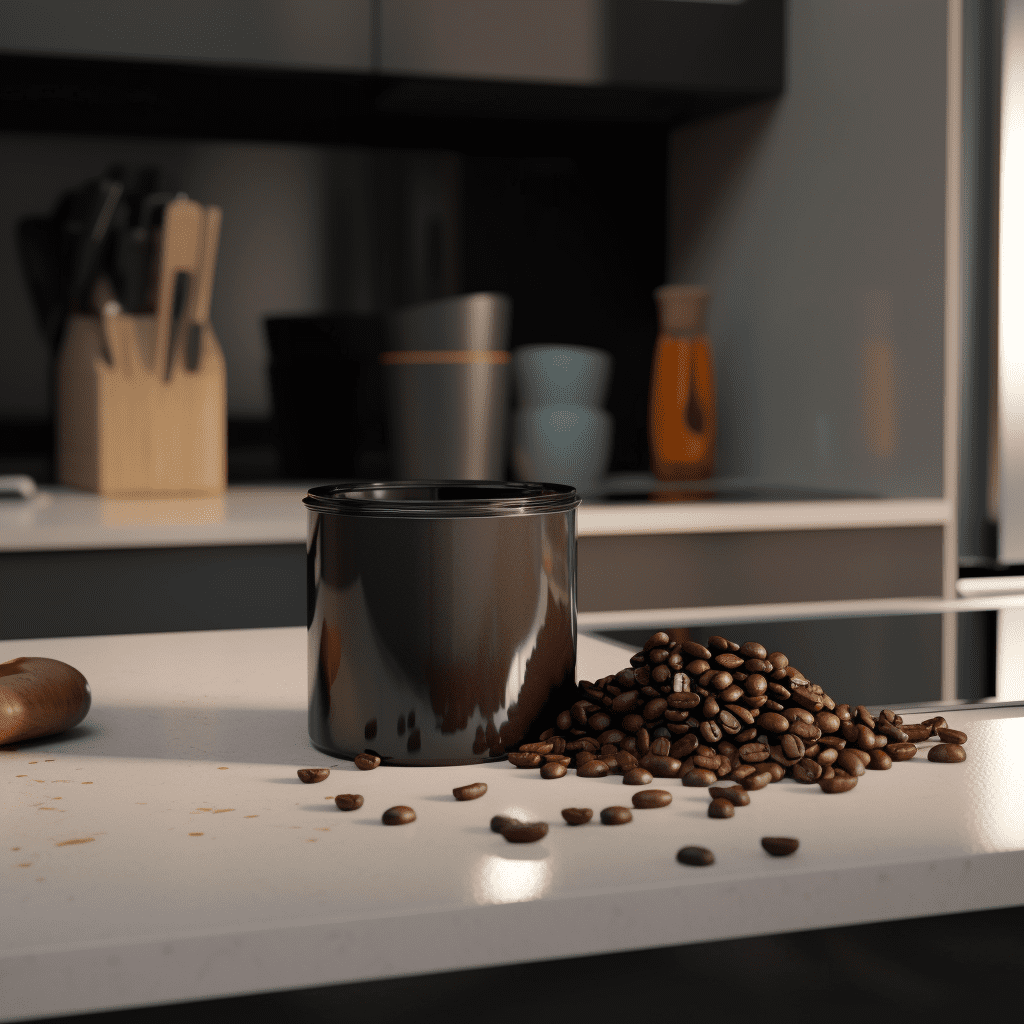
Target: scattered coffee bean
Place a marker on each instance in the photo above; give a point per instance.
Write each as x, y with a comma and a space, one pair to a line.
648, 798
313, 774
699, 777
400, 815
947, 753
917, 733
807, 771
736, 795
935, 723
366, 762
839, 782
616, 815
536, 748
697, 856
553, 770
637, 777
880, 761
780, 846
901, 751
577, 815
348, 801
592, 770
661, 767
473, 791
525, 831
952, 736
758, 781
721, 808
501, 821
525, 760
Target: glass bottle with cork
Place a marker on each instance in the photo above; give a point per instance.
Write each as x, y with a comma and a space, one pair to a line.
681, 417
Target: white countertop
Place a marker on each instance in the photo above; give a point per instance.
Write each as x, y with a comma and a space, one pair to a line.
108, 899
61, 518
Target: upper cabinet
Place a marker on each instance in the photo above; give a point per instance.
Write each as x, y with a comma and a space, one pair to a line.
331, 35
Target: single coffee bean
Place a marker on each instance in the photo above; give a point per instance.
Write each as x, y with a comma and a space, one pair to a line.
772, 706
473, 791
659, 639
637, 777
711, 732
826, 756
827, 722
775, 770
862, 755
866, 739
348, 801
643, 742
366, 762
699, 777
318, 774
661, 767
779, 846
742, 772
557, 759
798, 715
535, 748
694, 650
917, 733
710, 707
553, 770
595, 769
827, 772
660, 747
807, 771
648, 798
850, 763
721, 808
577, 815
626, 760
835, 742
525, 831
952, 736
525, 760
607, 754
892, 732
735, 794
880, 761
864, 717
839, 782
400, 815
727, 661
771, 721
758, 781
500, 821
807, 731
901, 751
752, 650
792, 746
947, 753
695, 856
564, 721
935, 723
616, 816
625, 702
546, 735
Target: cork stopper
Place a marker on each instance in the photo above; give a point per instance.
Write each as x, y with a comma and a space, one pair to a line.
681, 309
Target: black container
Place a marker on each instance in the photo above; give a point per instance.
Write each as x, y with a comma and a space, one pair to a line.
441, 616
328, 394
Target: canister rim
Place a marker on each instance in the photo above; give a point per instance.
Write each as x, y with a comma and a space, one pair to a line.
440, 499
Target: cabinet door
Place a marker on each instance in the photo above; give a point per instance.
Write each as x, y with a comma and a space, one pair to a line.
323, 34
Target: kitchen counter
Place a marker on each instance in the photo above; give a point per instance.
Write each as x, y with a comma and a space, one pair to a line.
165, 851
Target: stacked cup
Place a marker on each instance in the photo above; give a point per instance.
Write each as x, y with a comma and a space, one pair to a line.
560, 431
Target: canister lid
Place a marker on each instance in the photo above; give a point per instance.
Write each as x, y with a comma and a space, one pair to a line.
440, 499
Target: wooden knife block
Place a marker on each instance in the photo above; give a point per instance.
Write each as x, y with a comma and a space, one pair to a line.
123, 430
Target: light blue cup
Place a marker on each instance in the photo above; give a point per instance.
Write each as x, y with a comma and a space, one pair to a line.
561, 375
563, 444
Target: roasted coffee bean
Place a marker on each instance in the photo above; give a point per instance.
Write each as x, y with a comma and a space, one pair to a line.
501, 821
775, 770
710, 707
754, 753
798, 715
525, 760
880, 761
657, 656
675, 660
632, 722
843, 713
684, 746
947, 753
807, 771
643, 742
400, 815
850, 763
607, 754
772, 706
742, 772
581, 711
811, 750
698, 668
862, 755
699, 777
755, 685
473, 791
637, 777
535, 748
659, 639
616, 816
758, 781
553, 770
836, 742
558, 759
750, 649
901, 751
648, 798
734, 794
704, 761
595, 769
935, 723
770, 721
615, 736
892, 732
800, 695
777, 660
673, 717
366, 762
792, 746
525, 831
564, 721
727, 662
683, 701
546, 735
577, 815
778, 756
558, 745
728, 723
864, 717
710, 731
952, 736
660, 747
695, 856
779, 846
917, 733
838, 782
741, 714
720, 681
755, 703
348, 801
694, 650
660, 675
718, 643
827, 772
309, 775
827, 722
807, 731
598, 722
778, 692
625, 702
721, 808
583, 756
661, 767
826, 756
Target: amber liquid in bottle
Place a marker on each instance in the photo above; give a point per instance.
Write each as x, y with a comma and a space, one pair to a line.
681, 419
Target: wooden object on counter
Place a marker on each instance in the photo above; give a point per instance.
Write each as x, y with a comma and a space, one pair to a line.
682, 422
142, 399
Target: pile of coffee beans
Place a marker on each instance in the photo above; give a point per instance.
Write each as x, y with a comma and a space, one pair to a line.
726, 711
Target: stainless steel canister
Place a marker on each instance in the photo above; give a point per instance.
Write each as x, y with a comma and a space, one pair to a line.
441, 616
